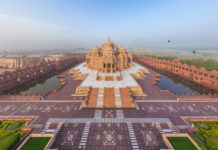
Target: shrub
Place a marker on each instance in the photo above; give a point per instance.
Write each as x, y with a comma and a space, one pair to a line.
14, 125
209, 132
203, 125
202, 146
8, 142
200, 137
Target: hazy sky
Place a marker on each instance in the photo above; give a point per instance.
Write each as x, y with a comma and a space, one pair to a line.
68, 24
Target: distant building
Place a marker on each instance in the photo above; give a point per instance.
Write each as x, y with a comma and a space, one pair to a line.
17, 61
54, 57
12, 63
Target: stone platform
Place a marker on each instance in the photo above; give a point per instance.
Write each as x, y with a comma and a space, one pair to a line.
118, 79
109, 98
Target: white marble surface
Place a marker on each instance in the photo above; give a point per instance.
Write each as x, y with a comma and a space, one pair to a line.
127, 79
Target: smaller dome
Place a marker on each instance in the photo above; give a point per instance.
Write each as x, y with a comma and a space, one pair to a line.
122, 49
96, 49
108, 44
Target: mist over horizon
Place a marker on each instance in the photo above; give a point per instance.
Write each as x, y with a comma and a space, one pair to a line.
28, 25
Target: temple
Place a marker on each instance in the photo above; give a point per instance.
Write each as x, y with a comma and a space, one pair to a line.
109, 58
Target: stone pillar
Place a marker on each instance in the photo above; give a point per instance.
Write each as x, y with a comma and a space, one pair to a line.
102, 69
111, 68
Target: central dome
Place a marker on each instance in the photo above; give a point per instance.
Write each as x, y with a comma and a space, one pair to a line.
108, 44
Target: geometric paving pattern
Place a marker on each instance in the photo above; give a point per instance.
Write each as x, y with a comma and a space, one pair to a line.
69, 136
104, 136
147, 136
108, 128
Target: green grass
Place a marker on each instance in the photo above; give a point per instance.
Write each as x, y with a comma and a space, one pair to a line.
210, 135
14, 125
181, 143
36, 143
208, 64
10, 134
8, 142
200, 137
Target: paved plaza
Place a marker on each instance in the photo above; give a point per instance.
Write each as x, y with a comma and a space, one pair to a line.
108, 128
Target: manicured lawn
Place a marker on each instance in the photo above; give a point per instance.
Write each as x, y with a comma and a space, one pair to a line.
36, 143
10, 134
208, 134
8, 142
181, 143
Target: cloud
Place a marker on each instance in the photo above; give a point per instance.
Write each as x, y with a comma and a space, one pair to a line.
20, 33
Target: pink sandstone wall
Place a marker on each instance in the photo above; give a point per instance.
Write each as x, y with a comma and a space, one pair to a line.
200, 76
19, 76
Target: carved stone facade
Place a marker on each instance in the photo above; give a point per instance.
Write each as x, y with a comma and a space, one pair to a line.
109, 58
82, 91
77, 75
136, 91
